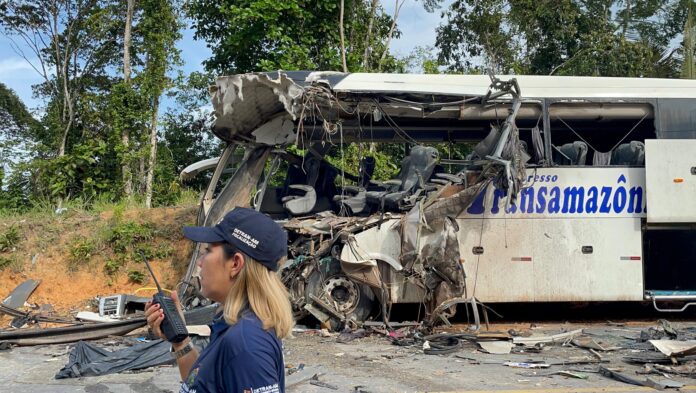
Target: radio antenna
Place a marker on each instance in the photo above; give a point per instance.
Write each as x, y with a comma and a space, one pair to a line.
142, 254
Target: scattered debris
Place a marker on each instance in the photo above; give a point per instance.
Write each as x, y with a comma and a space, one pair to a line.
316, 382
565, 373
293, 370
348, 335
659, 385
673, 348
556, 338
526, 365
592, 344
496, 347
93, 317
21, 293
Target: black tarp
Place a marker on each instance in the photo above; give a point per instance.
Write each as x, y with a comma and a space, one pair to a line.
89, 360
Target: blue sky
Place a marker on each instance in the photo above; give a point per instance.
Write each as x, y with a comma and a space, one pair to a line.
417, 27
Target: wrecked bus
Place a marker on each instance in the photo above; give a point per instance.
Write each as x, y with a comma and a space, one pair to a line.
573, 188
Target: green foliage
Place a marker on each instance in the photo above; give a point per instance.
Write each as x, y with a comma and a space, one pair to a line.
136, 276
78, 174
567, 37
12, 262
263, 35
159, 252
113, 265
80, 252
128, 235
9, 238
5, 261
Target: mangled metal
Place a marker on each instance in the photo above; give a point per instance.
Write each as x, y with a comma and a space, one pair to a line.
357, 249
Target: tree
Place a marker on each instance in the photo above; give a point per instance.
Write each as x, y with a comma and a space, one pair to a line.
125, 133
569, 37
67, 43
262, 35
160, 28
17, 128
688, 70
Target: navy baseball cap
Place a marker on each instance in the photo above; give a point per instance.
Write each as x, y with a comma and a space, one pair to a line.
249, 231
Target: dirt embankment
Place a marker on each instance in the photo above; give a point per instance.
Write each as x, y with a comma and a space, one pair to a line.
79, 256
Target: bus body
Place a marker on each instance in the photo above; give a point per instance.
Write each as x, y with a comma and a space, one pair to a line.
605, 209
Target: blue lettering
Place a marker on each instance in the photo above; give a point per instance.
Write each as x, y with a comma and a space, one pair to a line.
635, 198
619, 199
497, 196
477, 205
591, 207
527, 200
541, 200
555, 200
606, 206
573, 196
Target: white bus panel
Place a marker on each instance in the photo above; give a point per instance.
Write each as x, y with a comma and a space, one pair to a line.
670, 170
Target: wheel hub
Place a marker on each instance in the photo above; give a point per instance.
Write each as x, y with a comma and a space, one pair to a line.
342, 293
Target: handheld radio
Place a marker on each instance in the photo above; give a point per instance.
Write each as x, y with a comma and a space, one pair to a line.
172, 326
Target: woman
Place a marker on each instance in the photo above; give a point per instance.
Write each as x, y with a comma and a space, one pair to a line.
238, 270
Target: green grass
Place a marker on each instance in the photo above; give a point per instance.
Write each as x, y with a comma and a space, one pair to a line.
80, 253
9, 238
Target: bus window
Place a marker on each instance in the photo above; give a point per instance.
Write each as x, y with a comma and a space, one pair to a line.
600, 134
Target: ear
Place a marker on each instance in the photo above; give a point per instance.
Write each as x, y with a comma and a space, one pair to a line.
235, 265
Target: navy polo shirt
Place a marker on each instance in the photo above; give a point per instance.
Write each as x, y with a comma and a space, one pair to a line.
242, 358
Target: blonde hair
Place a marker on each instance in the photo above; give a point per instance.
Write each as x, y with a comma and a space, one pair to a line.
262, 290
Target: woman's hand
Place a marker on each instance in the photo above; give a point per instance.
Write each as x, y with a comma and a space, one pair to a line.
155, 315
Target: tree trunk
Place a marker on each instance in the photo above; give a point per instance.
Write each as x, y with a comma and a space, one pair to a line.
397, 7
368, 39
127, 42
688, 67
125, 135
343, 39
153, 155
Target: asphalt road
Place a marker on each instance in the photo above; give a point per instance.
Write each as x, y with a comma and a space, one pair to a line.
373, 364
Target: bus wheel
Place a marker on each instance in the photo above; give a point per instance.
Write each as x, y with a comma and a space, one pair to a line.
354, 300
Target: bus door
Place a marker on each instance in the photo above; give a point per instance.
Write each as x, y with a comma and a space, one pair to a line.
670, 232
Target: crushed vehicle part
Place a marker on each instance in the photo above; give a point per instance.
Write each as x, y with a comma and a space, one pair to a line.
649, 382
355, 250
556, 338
93, 331
674, 348
32, 317
526, 365
495, 347
24, 337
21, 293
117, 306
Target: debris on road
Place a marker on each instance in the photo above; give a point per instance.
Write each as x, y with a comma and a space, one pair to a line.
316, 382
21, 293
674, 348
556, 338
526, 365
496, 347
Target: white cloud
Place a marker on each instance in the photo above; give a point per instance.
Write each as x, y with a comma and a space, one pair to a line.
14, 65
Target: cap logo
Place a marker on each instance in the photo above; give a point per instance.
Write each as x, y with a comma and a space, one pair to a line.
244, 237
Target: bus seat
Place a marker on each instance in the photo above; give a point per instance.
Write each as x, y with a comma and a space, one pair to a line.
300, 204
299, 195
571, 154
632, 153
355, 198
416, 169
